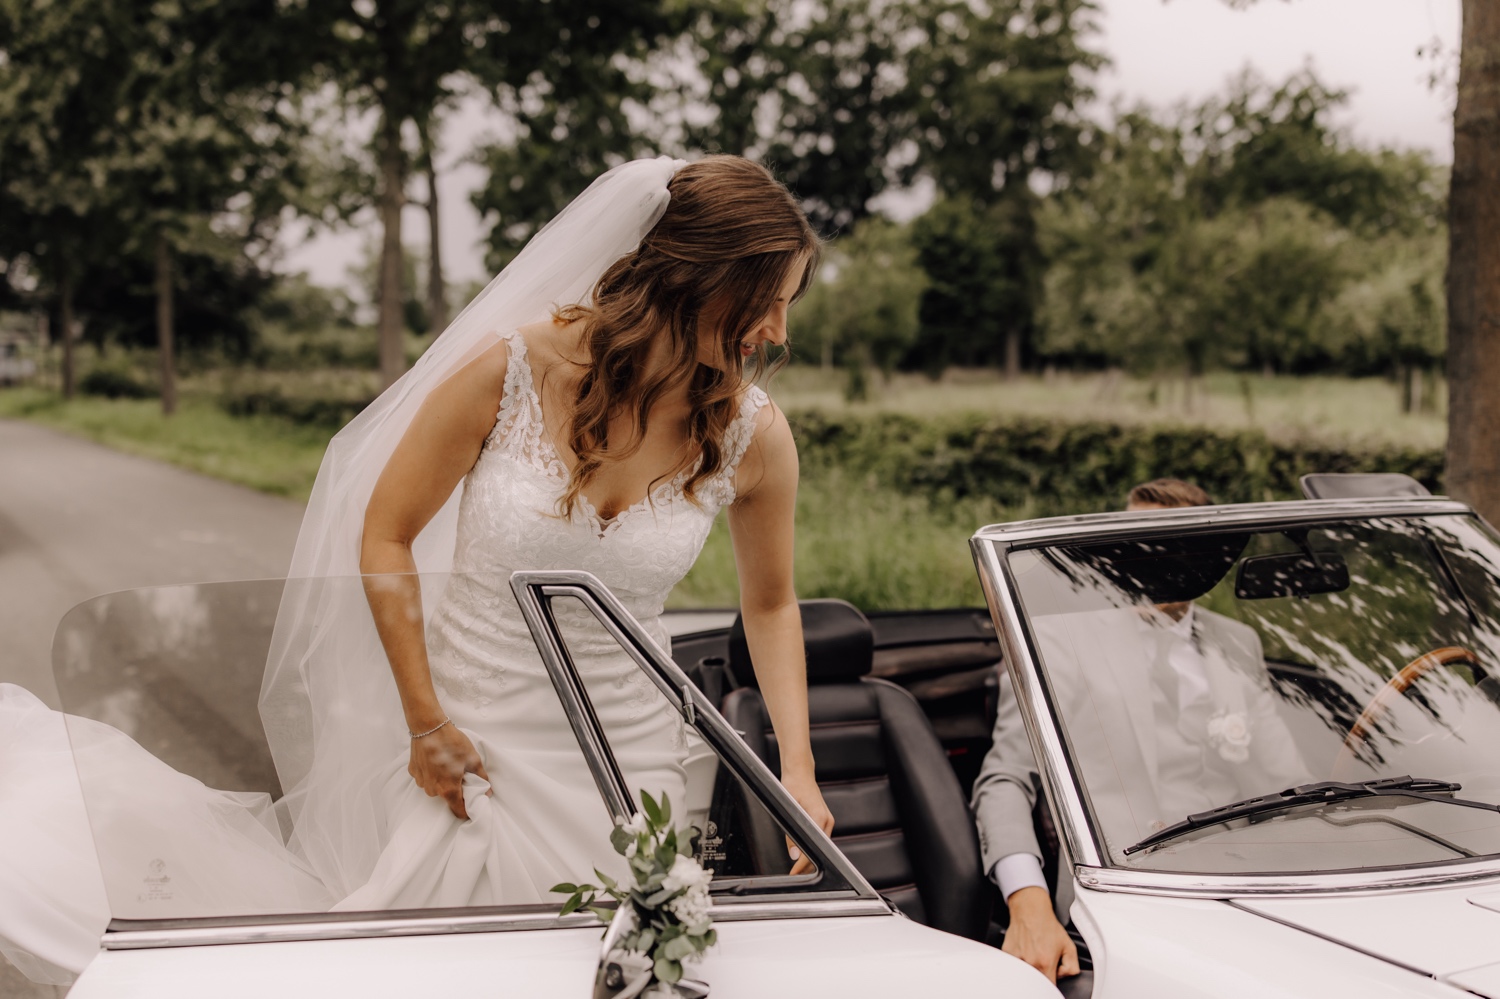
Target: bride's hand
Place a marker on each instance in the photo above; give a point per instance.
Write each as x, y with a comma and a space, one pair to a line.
439, 762
805, 791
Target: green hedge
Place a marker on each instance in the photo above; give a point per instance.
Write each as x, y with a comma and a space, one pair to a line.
1054, 467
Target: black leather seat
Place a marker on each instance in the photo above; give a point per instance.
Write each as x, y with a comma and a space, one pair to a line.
900, 815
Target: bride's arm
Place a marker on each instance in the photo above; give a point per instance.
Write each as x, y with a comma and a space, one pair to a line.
438, 449
760, 525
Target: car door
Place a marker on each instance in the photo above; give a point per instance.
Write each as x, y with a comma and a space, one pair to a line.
162, 687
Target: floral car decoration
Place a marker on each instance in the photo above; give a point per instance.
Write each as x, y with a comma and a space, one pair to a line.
669, 901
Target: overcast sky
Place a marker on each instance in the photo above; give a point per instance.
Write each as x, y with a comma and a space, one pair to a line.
1162, 52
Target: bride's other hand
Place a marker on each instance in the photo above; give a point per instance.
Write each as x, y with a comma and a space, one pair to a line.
807, 794
439, 762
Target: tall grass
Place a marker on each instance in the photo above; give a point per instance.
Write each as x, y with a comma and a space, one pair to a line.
876, 548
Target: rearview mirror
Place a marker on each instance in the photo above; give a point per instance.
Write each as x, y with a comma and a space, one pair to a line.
1296, 574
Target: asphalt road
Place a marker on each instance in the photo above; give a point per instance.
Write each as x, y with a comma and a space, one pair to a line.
78, 520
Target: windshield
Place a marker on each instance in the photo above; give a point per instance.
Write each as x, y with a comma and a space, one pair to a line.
191, 817
1193, 671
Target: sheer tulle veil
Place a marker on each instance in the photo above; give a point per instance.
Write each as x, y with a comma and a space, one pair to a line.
328, 702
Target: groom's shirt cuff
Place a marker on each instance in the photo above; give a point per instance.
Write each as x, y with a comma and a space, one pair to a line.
1016, 871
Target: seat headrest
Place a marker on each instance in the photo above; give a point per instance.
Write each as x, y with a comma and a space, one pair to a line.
839, 643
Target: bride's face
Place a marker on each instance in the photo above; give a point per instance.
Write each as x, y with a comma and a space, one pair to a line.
771, 330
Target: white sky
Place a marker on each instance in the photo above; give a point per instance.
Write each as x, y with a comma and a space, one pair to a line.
1162, 52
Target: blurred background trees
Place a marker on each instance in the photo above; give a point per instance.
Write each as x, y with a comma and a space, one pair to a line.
982, 209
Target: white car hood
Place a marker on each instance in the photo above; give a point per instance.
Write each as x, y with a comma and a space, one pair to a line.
1451, 934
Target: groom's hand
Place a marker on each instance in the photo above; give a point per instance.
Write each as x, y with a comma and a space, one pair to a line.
1036, 937
439, 762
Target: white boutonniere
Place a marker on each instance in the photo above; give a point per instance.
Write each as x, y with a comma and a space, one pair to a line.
1229, 733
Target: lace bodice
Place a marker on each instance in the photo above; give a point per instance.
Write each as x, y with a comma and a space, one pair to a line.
508, 520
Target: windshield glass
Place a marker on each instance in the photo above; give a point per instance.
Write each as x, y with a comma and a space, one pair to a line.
1193, 671
190, 815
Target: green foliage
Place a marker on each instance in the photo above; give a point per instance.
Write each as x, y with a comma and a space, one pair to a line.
815, 89
1246, 233
669, 898
862, 310
115, 382
983, 282
1055, 467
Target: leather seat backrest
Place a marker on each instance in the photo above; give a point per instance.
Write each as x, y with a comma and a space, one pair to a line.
900, 815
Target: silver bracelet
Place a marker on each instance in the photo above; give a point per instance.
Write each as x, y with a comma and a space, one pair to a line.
423, 735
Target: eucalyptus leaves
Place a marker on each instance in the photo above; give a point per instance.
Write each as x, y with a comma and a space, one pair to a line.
669, 899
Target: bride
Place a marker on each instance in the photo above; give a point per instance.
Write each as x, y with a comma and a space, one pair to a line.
594, 408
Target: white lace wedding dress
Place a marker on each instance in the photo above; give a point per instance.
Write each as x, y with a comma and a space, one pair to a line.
544, 821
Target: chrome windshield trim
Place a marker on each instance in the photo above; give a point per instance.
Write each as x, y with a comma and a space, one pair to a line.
535, 590
1058, 780
290, 929
1119, 879
1056, 529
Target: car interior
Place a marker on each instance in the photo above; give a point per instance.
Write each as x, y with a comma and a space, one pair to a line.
901, 707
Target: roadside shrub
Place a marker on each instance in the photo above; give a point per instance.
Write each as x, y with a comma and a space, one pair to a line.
115, 383
1053, 467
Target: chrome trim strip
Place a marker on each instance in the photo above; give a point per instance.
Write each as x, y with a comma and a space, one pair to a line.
1119, 879
212, 936
801, 909
355, 929
570, 690
1058, 529
532, 587
1058, 781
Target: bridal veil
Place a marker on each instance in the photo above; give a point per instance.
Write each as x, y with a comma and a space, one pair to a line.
328, 702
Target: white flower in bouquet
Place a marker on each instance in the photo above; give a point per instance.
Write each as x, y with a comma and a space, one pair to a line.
686, 873
669, 900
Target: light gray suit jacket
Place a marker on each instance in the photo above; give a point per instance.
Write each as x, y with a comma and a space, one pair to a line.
1098, 664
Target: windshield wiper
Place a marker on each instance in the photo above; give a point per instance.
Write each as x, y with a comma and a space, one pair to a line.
1323, 792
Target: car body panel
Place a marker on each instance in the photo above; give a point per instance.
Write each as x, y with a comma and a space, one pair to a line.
1439, 931
875, 956
1178, 948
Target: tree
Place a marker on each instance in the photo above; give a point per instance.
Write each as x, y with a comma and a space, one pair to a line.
58, 58
815, 89
1473, 458
405, 59
862, 309
996, 87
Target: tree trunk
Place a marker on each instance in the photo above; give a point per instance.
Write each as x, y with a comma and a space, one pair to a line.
437, 290
164, 325
1473, 459
391, 323
1012, 354
65, 309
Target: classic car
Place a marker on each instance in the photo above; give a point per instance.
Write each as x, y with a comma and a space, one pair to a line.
1365, 668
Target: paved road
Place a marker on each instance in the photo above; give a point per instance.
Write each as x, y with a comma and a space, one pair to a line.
77, 520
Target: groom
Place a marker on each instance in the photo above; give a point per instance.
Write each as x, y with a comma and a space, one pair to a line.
1194, 661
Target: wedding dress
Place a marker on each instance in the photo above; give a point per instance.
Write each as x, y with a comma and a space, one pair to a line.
545, 822
542, 822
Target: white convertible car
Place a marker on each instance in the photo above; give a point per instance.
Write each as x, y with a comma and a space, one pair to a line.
1349, 651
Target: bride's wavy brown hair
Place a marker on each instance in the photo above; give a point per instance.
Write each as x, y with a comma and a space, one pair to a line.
721, 251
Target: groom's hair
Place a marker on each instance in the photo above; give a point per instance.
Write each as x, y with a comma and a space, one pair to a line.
1169, 493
